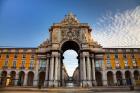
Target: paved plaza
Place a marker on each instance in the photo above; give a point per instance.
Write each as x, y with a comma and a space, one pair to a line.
65, 92
69, 90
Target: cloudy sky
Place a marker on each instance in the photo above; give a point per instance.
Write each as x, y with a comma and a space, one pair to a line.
25, 23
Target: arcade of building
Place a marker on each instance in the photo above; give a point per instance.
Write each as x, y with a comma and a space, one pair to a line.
97, 66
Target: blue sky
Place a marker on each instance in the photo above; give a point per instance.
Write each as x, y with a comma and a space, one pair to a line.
25, 23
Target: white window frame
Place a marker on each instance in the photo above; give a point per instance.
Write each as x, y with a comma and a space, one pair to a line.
23, 63
32, 63
14, 63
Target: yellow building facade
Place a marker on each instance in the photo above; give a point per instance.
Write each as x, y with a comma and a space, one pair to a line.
43, 65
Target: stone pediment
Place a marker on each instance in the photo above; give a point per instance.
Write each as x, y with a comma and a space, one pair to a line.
70, 19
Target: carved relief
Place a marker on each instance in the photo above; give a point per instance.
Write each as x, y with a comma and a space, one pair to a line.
70, 19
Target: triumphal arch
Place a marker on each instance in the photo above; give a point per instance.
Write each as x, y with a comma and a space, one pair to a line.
69, 34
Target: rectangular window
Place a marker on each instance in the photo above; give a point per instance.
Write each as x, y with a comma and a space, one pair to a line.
134, 63
42, 63
97, 64
132, 56
23, 56
126, 63
15, 56
108, 64
117, 64
32, 63
32, 56
23, 63
7, 56
6, 63
116, 56
14, 63
108, 56
124, 56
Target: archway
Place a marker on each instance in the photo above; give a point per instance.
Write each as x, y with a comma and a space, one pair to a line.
128, 77
119, 78
30, 78
72, 78
136, 75
21, 78
41, 78
110, 78
12, 78
3, 78
70, 62
98, 78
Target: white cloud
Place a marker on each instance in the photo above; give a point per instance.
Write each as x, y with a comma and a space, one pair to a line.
119, 30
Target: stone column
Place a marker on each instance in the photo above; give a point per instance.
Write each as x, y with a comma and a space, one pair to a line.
47, 72
133, 79
16, 79
93, 71
35, 82
25, 79
104, 78
88, 66
81, 71
123, 79
56, 72
63, 76
51, 72
84, 73
114, 79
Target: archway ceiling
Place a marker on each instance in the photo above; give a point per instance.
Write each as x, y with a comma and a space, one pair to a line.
70, 45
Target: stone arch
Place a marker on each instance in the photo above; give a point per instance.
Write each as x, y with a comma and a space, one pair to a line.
70, 44
66, 45
12, 77
21, 78
30, 78
128, 77
98, 78
41, 78
136, 75
119, 78
110, 78
3, 78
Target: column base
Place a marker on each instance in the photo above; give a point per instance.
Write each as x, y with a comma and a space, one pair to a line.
56, 83
104, 82
94, 83
83, 84
51, 83
35, 83
46, 83
89, 83
16, 82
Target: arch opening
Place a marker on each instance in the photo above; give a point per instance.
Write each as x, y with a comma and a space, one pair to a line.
21, 78
98, 78
128, 77
70, 64
41, 78
30, 78
119, 78
110, 78
3, 78
12, 78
